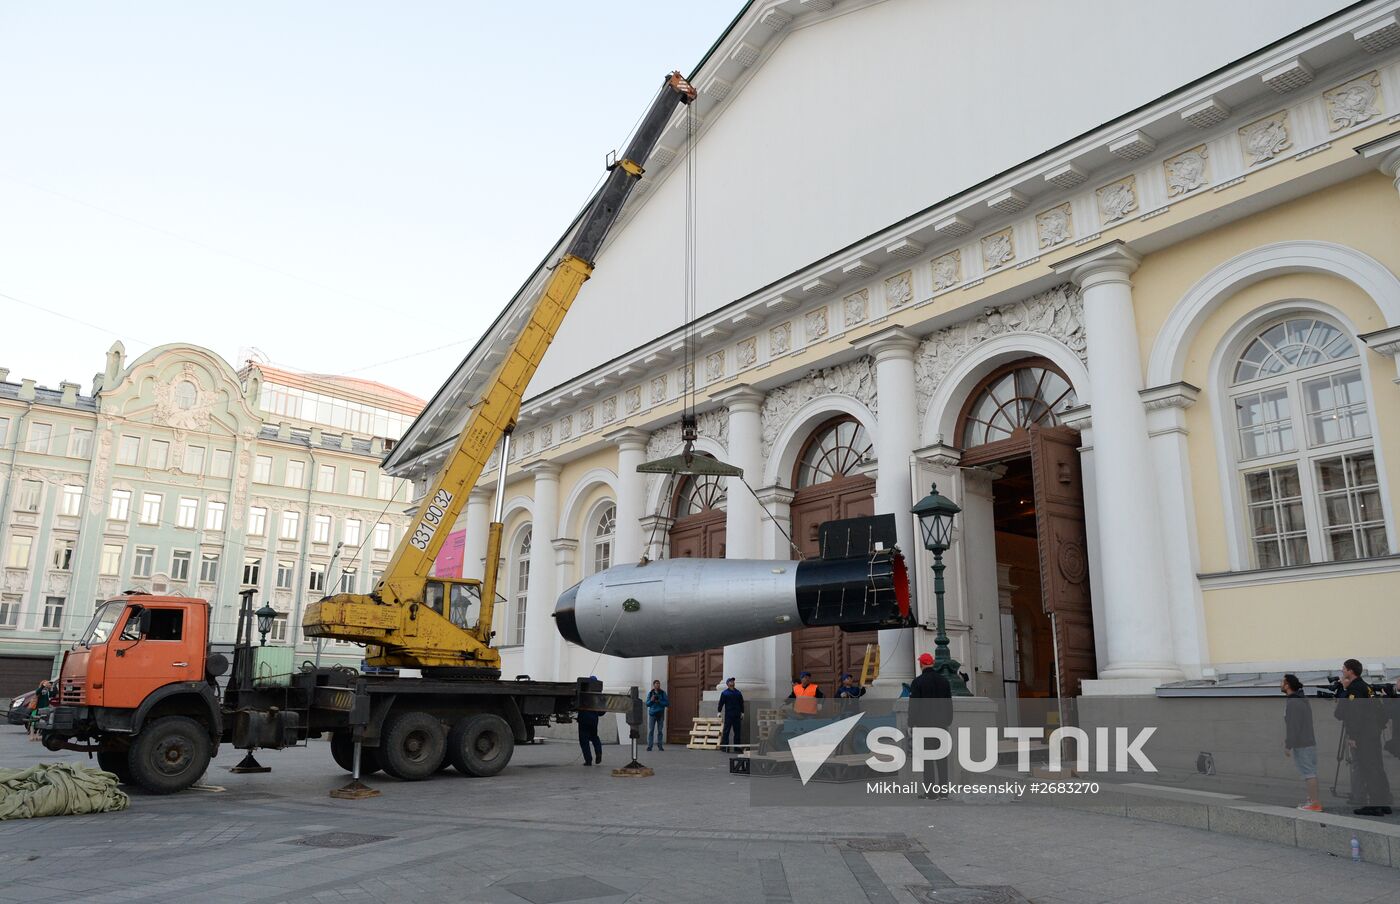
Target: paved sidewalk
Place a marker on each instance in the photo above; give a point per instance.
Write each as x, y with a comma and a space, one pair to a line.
549, 830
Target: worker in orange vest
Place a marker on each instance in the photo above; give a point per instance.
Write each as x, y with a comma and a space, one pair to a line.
805, 695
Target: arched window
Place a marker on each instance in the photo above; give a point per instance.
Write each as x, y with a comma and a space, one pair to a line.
604, 533
186, 394
520, 589
838, 449
700, 493
1303, 448
1016, 398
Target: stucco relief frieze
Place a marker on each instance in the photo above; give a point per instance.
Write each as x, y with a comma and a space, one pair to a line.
1354, 102
547, 434
713, 425
714, 366
998, 250
1187, 171
1057, 312
899, 290
855, 379
1266, 138
947, 270
780, 339
746, 352
585, 419
632, 400
566, 425
816, 324
1055, 226
527, 442
1118, 199
171, 411
857, 307
609, 409
658, 393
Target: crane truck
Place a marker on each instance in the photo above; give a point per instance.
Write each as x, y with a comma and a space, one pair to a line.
141, 689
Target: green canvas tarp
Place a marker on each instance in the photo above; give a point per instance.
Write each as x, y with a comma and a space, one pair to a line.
58, 789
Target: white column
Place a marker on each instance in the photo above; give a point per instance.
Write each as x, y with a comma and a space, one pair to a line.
539, 660
478, 525
743, 518
1166, 426
775, 667
631, 443
895, 440
1136, 598
565, 556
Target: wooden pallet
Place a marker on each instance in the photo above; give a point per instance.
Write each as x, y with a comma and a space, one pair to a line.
705, 733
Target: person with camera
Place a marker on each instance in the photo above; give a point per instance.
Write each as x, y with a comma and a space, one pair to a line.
1362, 715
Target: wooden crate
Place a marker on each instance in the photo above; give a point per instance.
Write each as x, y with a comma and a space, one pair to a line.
705, 733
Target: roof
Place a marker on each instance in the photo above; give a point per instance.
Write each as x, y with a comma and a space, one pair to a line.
353, 387
329, 441
46, 396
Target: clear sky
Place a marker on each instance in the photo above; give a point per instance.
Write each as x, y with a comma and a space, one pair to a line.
347, 187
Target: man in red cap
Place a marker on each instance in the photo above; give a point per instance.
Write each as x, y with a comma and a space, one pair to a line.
931, 706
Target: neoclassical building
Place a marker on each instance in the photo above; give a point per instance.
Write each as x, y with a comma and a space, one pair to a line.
178, 475
1144, 334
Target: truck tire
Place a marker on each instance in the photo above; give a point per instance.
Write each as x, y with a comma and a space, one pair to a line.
169, 755
115, 762
343, 752
480, 745
411, 745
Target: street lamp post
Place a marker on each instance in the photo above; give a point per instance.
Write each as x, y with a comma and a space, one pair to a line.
935, 514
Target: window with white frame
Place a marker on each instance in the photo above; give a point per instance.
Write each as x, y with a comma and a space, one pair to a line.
357, 483
144, 563
72, 504
262, 469
604, 533
79, 443
295, 475
286, 574
180, 564
53, 613
150, 507
1303, 446
222, 464
111, 563
38, 437
291, 525
120, 507
9, 611
252, 569
278, 634
128, 450
257, 521
209, 568
321, 529
382, 537
352, 532
18, 554
214, 515
193, 462
31, 493
4, 430
158, 454
347, 580
316, 577
520, 589
325, 478
62, 557
386, 487
187, 512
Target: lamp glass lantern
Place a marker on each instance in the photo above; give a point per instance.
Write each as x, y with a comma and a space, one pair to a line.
935, 513
265, 617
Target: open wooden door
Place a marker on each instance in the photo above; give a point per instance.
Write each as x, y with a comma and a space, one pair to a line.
1064, 552
689, 675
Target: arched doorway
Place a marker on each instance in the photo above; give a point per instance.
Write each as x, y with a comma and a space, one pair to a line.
1012, 424
828, 485
698, 531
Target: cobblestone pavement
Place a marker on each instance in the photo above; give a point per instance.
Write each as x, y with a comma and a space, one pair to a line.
549, 830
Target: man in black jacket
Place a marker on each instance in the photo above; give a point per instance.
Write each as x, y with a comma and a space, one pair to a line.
1299, 742
931, 706
1360, 713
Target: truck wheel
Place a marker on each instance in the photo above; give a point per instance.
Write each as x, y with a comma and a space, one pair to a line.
411, 746
114, 761
343, 752
169, 755
480, 745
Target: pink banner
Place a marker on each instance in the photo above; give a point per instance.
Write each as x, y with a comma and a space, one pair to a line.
450, 557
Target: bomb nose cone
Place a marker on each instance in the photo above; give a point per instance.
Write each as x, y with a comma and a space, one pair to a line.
564, 617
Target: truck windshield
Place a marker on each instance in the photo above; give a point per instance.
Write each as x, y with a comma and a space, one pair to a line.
103, 621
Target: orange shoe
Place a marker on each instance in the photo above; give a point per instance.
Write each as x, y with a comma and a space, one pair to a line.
1311, 807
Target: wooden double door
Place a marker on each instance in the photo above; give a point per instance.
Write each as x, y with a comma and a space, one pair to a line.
689, 675
828, 652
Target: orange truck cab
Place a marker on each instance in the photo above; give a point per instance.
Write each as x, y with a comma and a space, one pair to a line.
142, 673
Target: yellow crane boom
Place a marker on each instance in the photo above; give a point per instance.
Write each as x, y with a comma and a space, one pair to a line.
417, 621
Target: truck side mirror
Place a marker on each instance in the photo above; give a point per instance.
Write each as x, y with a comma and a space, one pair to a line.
143, 622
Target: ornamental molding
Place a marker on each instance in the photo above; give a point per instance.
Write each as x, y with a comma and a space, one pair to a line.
1054, 226
713, 425
1180, 395
1264, 139
1187, 171
899, 290
947, 270
1117, 199
857, 307
1354, 102
855, 379
1057, 313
